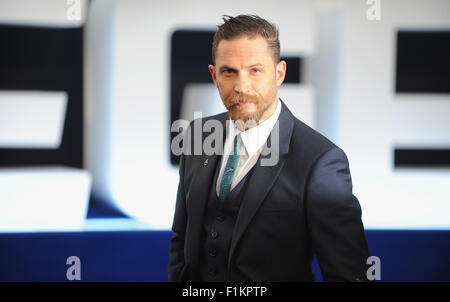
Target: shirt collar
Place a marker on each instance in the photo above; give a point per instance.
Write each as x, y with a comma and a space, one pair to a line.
254, 138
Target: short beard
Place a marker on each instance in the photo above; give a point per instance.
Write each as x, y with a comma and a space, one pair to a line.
261, 107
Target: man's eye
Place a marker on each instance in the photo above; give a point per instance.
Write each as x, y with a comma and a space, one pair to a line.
255, 70
228, 71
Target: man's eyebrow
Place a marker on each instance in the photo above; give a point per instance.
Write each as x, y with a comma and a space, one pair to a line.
225, 67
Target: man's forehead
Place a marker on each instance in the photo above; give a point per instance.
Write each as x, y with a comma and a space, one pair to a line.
243, 43
250, 50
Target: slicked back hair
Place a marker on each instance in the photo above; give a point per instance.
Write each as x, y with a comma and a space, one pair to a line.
249, 26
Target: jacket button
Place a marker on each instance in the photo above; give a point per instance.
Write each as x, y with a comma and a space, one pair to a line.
212, 253
214, 234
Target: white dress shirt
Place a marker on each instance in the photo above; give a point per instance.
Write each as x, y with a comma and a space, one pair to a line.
252, 142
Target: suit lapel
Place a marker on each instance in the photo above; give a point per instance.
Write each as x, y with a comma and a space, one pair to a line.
259, 185
198, 198
263, 179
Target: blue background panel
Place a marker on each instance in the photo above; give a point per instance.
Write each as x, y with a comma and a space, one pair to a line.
143, 255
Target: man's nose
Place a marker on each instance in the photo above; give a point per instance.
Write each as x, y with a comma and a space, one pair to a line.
242, 84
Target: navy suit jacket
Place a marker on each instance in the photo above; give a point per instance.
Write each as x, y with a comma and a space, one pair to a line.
299, 207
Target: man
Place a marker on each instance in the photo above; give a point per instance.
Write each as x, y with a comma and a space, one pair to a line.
237, 219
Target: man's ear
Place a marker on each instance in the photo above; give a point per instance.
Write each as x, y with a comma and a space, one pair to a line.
280, 72
212, 71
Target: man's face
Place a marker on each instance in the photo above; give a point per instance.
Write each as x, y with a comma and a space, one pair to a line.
247, 78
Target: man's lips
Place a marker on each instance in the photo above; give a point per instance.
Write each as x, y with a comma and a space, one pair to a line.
240, 104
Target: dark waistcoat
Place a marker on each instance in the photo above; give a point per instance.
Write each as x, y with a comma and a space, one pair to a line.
218, 226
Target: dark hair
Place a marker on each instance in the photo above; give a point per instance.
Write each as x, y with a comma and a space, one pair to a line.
250, 26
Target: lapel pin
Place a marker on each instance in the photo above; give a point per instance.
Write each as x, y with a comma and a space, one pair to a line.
205, 163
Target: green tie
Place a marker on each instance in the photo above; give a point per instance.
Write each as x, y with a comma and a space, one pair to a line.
230, 168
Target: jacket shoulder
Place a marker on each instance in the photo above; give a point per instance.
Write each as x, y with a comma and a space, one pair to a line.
308, 138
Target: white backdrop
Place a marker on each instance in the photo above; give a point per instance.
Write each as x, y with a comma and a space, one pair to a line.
348, 96
349, 62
